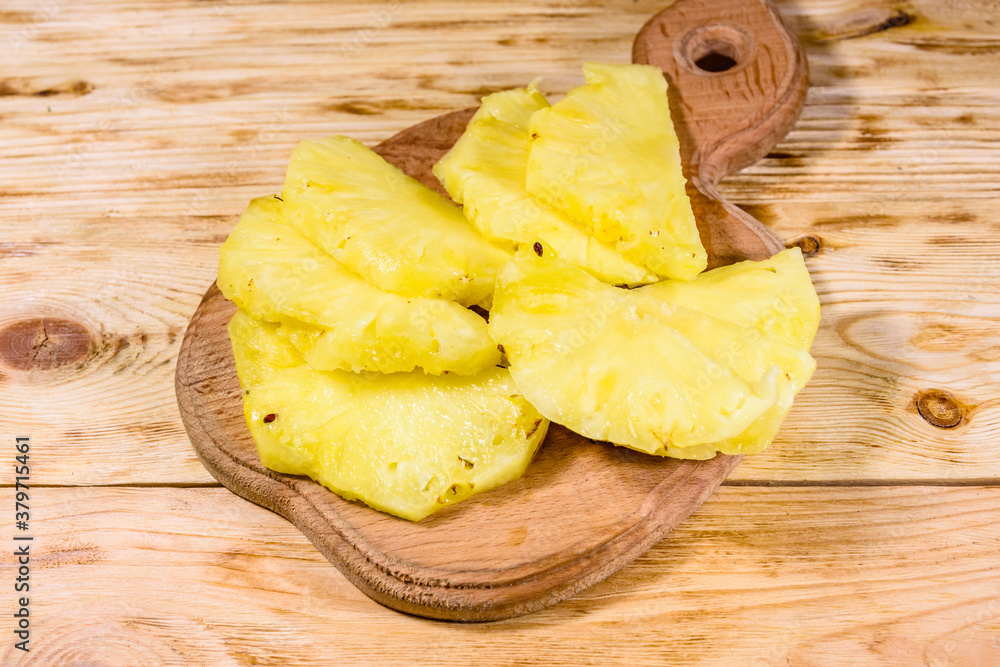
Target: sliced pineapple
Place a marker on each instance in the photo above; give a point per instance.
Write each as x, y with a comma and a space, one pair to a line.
485, 172
607, 156
775, 297
337, 318
629, 367
759, 434
403, 443
390, 229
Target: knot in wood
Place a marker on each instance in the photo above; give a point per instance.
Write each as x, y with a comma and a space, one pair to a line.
44, 343
809, 245
939, 408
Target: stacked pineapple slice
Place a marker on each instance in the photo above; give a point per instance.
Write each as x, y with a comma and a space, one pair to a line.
334, 317
363, 367
486, 172
393, 231
682, 369
403, 443
685, 367
607, 156
360, 364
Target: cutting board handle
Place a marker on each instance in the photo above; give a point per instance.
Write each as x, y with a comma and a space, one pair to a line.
737, 79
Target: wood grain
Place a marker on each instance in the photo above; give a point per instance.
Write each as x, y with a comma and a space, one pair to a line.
117, 194
799, 577
535, 543
133, 185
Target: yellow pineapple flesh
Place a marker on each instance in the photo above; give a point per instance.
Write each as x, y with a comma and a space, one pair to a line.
774, 297
637, 370
485, 172
338, 319
362, 368
608, 157
390, 229
404, 443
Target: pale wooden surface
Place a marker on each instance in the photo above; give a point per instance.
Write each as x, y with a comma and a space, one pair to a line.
801, 576
117, 192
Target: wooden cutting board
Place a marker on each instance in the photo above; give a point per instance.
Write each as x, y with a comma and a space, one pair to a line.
584, 509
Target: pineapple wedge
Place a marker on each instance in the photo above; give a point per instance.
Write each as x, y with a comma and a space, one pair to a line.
629, 367
774, 297
485, 172
390, 229
403, 443
338, 319
607, 156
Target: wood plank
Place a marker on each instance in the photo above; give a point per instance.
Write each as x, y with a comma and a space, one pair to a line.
98, 406
799, 576
911, 310
167, 102
902, 105
909, 297
115, 201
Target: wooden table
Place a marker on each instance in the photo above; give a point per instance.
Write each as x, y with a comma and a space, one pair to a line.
133, 134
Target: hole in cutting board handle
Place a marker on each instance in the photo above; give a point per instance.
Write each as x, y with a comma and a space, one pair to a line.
715, 49
715, 61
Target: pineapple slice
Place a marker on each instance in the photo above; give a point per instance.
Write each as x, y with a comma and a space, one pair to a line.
485, 172
629, 367
338, 319
775, 297
759, 434
390, 229
608, 157
403, 443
